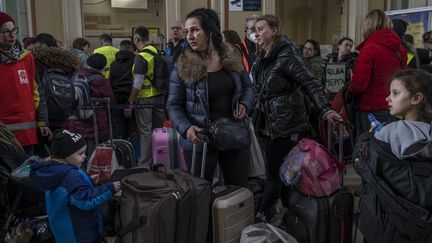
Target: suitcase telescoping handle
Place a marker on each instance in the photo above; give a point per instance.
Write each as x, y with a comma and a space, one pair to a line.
341, 131
95, 102
203, 160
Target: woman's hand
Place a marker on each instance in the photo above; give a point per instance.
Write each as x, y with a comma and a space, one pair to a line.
240, 112
333, 117
192, 136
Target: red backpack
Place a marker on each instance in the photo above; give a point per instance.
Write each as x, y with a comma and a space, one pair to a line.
318, 176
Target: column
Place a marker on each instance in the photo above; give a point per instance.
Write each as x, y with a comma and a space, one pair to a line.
357, 11
172, 8
72, 21
269, 7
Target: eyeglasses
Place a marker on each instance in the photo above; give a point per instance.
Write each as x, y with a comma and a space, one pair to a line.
178, 28
251, 29
10, 32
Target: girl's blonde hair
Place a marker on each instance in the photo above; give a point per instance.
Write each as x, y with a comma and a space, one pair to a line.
375, 20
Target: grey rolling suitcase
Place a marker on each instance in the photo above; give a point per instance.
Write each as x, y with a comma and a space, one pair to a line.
231, 209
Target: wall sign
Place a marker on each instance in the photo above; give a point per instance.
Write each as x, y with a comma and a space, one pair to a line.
244, 5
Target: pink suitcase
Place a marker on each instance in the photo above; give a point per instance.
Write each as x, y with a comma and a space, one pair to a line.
166, 148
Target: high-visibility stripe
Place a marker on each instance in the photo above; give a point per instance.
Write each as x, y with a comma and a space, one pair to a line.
21, 126
409, 57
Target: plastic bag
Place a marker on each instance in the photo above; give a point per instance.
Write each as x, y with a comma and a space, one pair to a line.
265, 233
103, 162
23, 171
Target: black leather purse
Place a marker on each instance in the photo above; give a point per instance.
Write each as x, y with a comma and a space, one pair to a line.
226, 133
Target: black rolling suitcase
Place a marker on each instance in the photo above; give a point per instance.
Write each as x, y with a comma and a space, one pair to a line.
321, 219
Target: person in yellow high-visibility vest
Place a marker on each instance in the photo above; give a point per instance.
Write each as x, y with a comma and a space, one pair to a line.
108, 51
143, 93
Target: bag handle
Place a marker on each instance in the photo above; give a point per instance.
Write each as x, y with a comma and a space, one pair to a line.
132, 225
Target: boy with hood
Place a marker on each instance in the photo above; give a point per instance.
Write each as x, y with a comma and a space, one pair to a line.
71, 198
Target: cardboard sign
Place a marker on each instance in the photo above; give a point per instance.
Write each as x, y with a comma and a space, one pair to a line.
335, 76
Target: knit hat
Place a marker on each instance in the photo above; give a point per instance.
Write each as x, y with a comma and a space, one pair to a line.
400, 26
28, 41
4, 17
97, 61
65, 143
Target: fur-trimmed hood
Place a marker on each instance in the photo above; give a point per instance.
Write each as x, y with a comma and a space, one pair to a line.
55, 55
191, 67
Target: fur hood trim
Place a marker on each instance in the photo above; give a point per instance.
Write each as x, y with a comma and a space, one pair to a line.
55, 55
191, 67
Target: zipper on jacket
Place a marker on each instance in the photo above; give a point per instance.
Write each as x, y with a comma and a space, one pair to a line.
208, 101
204, 104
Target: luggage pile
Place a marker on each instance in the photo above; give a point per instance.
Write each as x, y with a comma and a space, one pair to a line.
320, 208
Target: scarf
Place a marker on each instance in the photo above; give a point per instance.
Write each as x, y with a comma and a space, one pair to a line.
10, 54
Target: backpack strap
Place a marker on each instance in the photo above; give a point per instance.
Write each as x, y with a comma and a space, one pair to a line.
402, 217
149, 52
154, 55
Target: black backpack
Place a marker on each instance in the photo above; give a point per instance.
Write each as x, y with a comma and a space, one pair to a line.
395, 205
162, 70
59, 93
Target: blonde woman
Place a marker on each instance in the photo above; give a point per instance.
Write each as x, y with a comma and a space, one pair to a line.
381, 55
282, 78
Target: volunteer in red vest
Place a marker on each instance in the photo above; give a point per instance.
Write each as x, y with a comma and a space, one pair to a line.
108, 51
22, 110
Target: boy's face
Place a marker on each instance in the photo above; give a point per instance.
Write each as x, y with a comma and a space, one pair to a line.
78, 157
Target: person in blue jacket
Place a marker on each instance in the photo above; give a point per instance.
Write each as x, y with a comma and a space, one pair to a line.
214, 69
71, 199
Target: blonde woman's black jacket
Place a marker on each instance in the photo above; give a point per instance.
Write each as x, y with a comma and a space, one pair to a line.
284, 79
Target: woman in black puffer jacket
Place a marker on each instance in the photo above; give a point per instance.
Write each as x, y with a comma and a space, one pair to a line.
282, 78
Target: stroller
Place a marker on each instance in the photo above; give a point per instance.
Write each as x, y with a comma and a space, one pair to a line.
20, 206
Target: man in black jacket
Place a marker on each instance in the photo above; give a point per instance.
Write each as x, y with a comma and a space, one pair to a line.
121, 79
176, 43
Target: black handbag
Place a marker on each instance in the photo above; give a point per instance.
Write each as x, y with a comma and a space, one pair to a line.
226, 133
